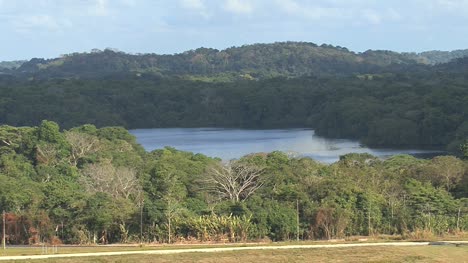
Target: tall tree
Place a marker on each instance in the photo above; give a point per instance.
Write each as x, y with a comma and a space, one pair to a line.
235, 180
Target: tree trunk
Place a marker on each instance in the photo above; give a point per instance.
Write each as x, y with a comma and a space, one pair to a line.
169, 230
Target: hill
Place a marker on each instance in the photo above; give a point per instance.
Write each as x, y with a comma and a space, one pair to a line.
257, 61
288, 59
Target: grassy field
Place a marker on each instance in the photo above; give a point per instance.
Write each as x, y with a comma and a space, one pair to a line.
37, 250
362, 254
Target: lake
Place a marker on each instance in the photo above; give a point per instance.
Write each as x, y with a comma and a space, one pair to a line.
234, 143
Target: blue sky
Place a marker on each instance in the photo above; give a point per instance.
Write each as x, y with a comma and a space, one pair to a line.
49, 28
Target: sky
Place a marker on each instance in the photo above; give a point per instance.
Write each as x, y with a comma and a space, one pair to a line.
50, 28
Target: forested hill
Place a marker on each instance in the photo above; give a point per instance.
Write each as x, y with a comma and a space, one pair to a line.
405, 110
382, 98
256, 61
288, 59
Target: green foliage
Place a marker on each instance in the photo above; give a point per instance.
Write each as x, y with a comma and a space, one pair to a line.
92, 183
58, 186
277, 59
397, 110
19, 194
464, 149
246, 62
425, 199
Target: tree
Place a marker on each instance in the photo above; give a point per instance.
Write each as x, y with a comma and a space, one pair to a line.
464, 149
121, 185
118, 182
9, 136
331, 221
47, 154
447, 171
172, 193
82, 145
172, 210
49, 131
235, 181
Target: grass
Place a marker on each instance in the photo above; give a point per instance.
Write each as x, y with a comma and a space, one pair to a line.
361, 254
38, 250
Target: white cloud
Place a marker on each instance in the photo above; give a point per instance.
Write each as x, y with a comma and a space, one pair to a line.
241, 7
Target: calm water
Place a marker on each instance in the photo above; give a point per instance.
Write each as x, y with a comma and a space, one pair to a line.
234, 143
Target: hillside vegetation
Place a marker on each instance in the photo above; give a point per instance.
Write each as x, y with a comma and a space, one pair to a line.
403, 110
261, 60
92, 183
288, 59
382, 98
88, 185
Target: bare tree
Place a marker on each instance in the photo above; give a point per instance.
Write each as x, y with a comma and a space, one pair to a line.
331, 222
394, 195
172, 211
46, 154
81, 145
116, 181
235, 181
324, 221
121, 183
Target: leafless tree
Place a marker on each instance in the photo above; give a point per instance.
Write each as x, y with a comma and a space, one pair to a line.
81, 145
331, 222
116, 181
46, 154
324, 221
235, 181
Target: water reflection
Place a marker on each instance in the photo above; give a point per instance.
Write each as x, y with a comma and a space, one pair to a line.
234, 143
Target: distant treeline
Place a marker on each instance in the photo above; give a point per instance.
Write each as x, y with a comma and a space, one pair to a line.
88, 185
428, 109
258, 61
